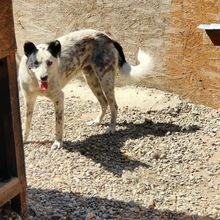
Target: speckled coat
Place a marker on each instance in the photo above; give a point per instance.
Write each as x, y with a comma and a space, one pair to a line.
45, 69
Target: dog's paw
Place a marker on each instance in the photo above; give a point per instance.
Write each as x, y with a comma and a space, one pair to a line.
93, 123
110, 130
57, 145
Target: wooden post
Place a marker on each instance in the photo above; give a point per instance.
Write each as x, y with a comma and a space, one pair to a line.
12, 167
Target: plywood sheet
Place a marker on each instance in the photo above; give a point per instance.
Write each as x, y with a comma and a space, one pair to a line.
193, 62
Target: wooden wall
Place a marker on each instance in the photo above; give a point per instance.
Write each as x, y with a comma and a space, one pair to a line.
193, 62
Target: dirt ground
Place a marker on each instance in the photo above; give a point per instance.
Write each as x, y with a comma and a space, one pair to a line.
131, 96
162, 162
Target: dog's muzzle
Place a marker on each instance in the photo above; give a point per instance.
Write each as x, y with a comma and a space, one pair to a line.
43, 84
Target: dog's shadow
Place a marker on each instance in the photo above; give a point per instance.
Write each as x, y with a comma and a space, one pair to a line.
105, 149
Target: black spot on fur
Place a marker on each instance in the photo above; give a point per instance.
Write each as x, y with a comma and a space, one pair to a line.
109, 69
122, 59
96, 84
32, 61
99, 94
116, 106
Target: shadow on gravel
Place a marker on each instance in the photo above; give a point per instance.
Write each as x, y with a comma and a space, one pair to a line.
105, 148
54, 204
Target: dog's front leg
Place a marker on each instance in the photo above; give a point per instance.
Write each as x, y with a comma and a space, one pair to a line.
58, 102
29, 102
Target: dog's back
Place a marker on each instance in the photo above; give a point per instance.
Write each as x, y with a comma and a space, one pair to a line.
83, 48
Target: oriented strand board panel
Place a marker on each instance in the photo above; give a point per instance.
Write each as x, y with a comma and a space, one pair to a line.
193, 62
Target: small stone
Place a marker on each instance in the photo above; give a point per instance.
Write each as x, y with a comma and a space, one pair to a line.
56, 217
106, 215
131, 203
156, 156
89, 216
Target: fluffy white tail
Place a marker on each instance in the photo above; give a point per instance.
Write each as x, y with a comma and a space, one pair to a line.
138, 72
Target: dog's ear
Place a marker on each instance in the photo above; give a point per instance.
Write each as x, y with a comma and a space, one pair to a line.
54, 48
29, 48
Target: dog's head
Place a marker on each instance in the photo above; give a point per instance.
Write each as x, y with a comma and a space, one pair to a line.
43, 61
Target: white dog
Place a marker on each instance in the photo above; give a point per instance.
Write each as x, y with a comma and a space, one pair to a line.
45, 69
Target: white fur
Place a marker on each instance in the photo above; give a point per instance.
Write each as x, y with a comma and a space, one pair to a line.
140, 71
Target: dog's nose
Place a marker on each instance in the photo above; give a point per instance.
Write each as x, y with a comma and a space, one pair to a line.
44, 78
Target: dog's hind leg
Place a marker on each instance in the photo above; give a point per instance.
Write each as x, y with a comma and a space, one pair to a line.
107, 82
58, 101
94, 85
30, 100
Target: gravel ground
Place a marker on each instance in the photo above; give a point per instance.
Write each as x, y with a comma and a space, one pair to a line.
160, 164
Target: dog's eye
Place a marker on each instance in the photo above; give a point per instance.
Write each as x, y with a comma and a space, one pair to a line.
49, 63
